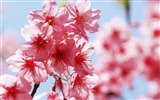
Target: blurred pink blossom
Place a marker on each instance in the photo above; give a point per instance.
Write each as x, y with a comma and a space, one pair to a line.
9, 44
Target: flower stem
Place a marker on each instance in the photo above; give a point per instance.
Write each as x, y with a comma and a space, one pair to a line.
56, 79
62, 93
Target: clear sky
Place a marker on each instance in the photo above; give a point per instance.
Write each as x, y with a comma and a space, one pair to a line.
14, 18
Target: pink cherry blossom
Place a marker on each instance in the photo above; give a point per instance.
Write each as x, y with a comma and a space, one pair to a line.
53, 96
50, 15
83, 18
151, 29
152, 9
80, 87
57, 44
62, 55
27, 67
151, 51
82, 63
66, 32
119, 54
112, 38
14, 88
153, 90
110, 83
152, 67
39, 43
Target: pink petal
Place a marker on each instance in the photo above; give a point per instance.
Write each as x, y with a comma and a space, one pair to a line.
48, 4
35, 17
83, 5
92, 80
30, 31
71, 8
21, 96
7, 79
23, 84
15, 63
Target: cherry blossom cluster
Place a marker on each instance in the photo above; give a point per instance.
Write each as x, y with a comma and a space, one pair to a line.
117, 59
123, 55
150, 49
56, 46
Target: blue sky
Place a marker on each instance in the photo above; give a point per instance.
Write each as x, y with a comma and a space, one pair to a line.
16, 11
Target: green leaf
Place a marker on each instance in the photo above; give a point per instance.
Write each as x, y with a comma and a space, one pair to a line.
125, 3
63, 4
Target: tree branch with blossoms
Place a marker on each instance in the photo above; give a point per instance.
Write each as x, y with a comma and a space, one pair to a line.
56, 41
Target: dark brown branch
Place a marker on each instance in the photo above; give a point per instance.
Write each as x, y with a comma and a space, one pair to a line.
34, 89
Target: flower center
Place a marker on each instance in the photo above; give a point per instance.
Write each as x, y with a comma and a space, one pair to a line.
50, 20
79, 59
80, 19
29, 63
115, 33
156, 33
121, 50
79, 81
12, 91
106, 45
59, 54
39, 41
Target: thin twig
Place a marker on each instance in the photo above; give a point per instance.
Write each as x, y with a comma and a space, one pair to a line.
128, 15
56, 79
62, 92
